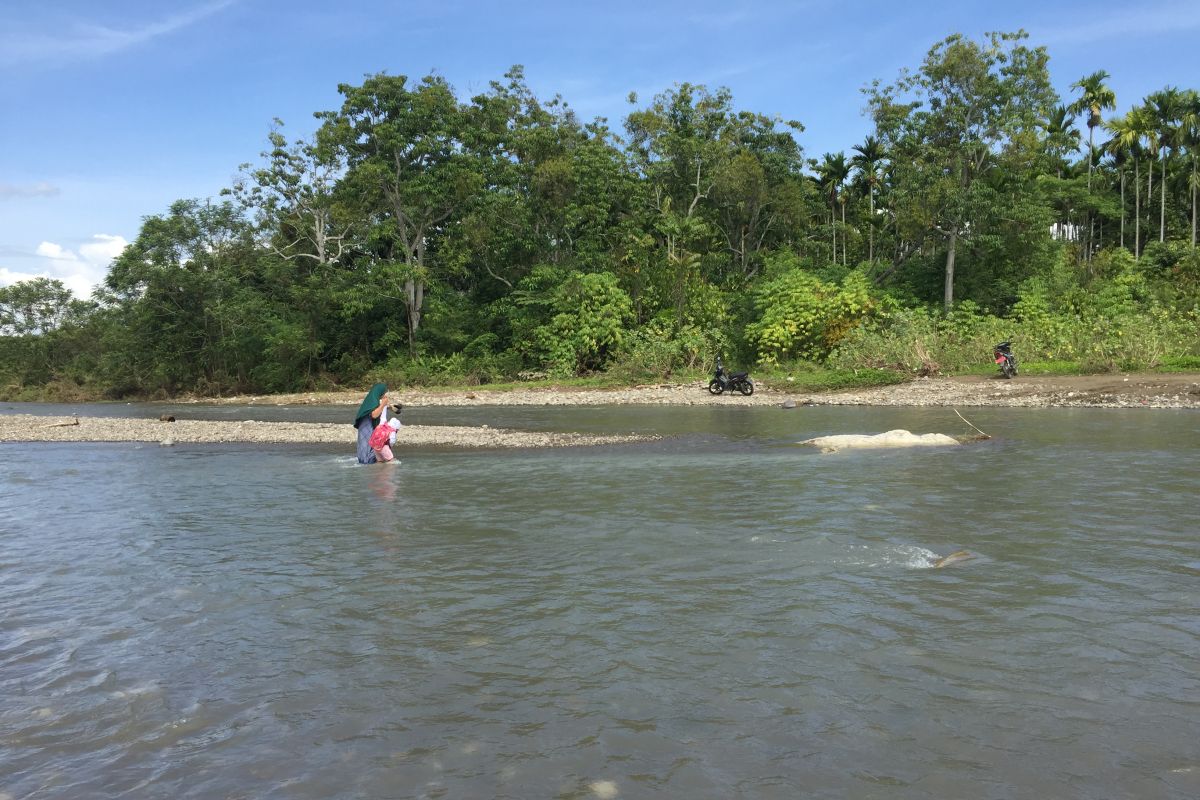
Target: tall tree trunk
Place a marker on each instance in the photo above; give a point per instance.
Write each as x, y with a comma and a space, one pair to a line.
1162, 206
871, 230
948, 296
745, 253
1090, 220
1091, 153
1149, 201
1137, 209
1122, 208
844, 246
414, 301
833, 227
1193, 202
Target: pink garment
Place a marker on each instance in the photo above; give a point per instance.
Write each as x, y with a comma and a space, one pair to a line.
381, 436
383, 453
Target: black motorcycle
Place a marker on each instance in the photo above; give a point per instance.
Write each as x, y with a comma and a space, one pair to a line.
724, 382
1003, 355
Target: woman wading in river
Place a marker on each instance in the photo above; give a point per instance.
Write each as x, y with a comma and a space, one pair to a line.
370, 414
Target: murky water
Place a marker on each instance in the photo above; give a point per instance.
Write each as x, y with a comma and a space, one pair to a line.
718, 615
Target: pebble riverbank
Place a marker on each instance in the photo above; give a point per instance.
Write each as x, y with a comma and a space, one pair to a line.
28, 428
1132, 390
1147, 390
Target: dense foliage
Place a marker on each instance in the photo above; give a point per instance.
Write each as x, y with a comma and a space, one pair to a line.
421, 237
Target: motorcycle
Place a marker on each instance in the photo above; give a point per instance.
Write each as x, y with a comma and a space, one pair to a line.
1003, 355
737, 382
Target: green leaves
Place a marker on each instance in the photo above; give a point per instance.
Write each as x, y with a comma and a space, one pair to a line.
974, 111
33, 307
801, 316
571, 322
416, 225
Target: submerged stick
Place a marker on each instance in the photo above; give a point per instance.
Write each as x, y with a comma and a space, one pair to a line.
953, 558
964, 419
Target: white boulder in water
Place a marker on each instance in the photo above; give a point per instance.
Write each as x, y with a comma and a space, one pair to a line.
897, 438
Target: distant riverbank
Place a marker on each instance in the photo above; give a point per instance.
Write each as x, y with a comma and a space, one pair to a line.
1120, 390
1139, 390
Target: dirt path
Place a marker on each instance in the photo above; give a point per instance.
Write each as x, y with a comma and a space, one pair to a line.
1118, 390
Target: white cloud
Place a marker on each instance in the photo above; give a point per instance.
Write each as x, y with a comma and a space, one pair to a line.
102, 249
79, 271
87, 40
1136, 20
42, 189
55, 252
8, 277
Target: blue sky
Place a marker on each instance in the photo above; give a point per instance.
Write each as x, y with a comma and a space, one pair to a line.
114, 109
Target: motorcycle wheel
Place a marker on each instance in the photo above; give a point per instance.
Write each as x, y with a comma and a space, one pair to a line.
1009, 370
746, 388
715, 387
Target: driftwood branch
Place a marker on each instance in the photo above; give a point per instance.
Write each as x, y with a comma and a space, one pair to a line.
60, 424
964, 419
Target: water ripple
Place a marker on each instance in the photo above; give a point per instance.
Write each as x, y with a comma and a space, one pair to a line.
684, 619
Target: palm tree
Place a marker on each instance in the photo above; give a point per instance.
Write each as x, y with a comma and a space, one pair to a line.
1190, 123
1167, 108
826, 187
832, 173
1129, 133
867, 160
1154, 147
1095, 97
1125, 145
1061, 136
1116, 161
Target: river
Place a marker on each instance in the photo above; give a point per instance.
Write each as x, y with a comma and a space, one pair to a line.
719, 614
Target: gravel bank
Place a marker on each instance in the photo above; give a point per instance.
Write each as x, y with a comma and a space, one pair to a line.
1135, 390
1117, 390
1145, 390
28, 428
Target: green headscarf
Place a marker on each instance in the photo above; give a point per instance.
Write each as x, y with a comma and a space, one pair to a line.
370, 402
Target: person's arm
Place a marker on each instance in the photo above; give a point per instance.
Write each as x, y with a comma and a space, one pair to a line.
379, 409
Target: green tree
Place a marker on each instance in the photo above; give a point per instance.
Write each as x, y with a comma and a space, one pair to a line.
868, 159
408, 169
801, 316
1095, 97
832, 173
758, 200
1190, 122
1167, 108
38, 321
1134, 133
561, 189
35, 306
970, 109
292, 195
737, 173
1062, 138
570, 321
183, 293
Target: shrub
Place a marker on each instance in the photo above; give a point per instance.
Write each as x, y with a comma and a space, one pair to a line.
654, 354
801, 316
591, 314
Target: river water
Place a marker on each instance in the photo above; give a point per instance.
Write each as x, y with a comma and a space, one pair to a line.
719, 614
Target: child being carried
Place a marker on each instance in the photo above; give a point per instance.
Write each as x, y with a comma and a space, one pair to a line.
381, 438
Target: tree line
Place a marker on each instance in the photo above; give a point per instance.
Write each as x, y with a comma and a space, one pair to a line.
426, 237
